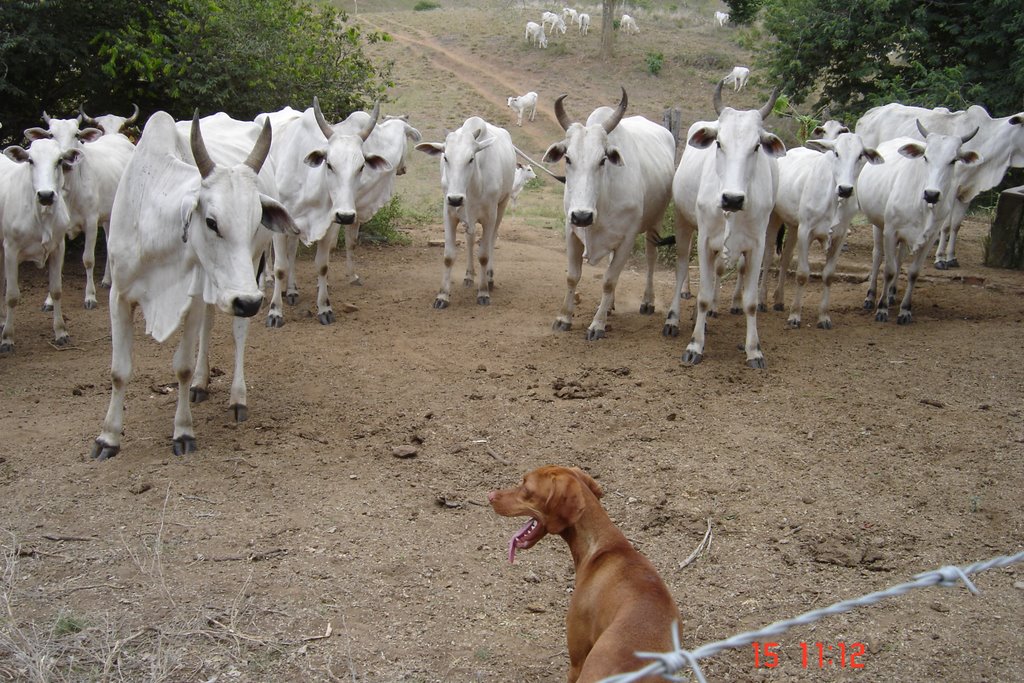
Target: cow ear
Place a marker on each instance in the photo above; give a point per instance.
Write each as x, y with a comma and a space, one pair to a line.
70, 158
16, 153
485, 143
703, 137
969, 158
412, 133
1017, 120
613, 156
555, 153
820, 145
90, 134
912, 150
378, 163
275, 217
772, 145
873, 156
818, 131
34, 134
315, 158
189, 203
432, 148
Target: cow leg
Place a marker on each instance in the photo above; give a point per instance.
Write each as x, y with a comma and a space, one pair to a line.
892, 269
239, 401
55, 262
324, 311
611, 278
291, 295
735, 307
956, 217
755, 357
708, 262
105, 282
828, 274
184, 439
573, 272
282, 271
470, 279
876, 262
804, 237
200, 389
89, 262
651, 252
12, 294
351, 240
913, 270
451, 226
108, 443
684, 244
483, 290
790, 242
766, 261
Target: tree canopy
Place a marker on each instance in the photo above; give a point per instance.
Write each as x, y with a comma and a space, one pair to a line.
238, 56
856, 54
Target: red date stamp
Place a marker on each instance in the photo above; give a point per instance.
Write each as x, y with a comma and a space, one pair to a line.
813, 655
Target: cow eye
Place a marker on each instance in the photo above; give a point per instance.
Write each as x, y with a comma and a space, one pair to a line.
211, 223
568, 161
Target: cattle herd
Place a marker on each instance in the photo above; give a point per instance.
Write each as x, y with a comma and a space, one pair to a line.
194, 211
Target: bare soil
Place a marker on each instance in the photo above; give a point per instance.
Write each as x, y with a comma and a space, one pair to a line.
861, 457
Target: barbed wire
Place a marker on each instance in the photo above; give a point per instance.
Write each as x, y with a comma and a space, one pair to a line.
667, 663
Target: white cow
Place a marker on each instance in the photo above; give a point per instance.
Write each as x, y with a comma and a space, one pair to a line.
535, 34
628, 25
618, 179
111, 124
550, 18
907, 200
816, 202
524, 104
724, 188
524, 174
478, 164
90, 189
570, 14
830, 130
722, 18
999, 143
319, 169
33, 220
738, 77
584, 23
183, 234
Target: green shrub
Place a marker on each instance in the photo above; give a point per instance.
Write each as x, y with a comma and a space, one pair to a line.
655, 60
424, 5
384, 226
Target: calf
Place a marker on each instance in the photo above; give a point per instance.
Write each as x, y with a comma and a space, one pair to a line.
628, 25
524, 104
478, 164
722, 18
535, 34
738, 77
584, 23
524, 174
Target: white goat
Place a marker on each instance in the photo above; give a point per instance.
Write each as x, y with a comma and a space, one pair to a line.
524, 104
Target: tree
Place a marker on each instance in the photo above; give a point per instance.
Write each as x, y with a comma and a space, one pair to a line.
856, 54
743, 12
608, 12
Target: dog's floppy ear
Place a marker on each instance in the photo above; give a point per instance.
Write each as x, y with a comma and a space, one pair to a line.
588, 480
566, 501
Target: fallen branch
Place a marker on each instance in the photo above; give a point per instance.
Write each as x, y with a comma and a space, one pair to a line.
58, 537
703, 546
490, 452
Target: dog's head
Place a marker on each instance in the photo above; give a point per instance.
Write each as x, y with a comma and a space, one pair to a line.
553, 497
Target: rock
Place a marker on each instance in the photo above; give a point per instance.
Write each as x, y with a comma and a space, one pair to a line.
139, 487
405, 452
536, 609
349, 308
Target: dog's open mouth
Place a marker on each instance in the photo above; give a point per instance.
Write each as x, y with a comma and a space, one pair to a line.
525, 538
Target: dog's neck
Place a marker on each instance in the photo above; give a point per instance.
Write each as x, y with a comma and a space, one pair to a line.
593, 535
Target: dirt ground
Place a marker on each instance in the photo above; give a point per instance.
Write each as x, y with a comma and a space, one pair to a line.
298, 546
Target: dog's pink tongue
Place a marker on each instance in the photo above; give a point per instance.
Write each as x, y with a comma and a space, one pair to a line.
516, 537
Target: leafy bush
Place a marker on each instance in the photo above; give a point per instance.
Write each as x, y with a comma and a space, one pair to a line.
655, 60
383, 227
424, 5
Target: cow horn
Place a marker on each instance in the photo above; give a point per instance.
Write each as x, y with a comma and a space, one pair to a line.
770, 104
85, 118
135, 115
616, 116
563, 120
46, 118
921, 129
325, 127
203, 161
967, 138
261, 149
716, 99
365, 133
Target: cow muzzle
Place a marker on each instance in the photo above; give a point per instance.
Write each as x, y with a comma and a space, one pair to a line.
844, 191
456, 200
582, 219
733, 201
345, 217
932, 196
246, 307
45, 197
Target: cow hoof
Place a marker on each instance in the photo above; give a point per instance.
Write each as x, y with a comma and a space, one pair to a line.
882, 316
593, 334
825, 324
647, 309
440, 303
712, 314
483, 300
952, 263
670, 330
468, 282
7, 347
101, 450
941, 265
779, 307
275, 320
292, 298
561, 326
105, 284
90, 304
757, 363
904, 318
241, 412
47, 308
62, 340
686, 295
198, 395
793, 323
326, 318
692, 357
761, 308
356, 281
735, 311
184, 445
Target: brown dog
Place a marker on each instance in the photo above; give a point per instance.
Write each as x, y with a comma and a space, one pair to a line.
620, 604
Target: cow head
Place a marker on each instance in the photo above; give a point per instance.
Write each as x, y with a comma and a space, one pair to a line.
220, 222
110, 124
587, 152
848, 155
739, 138
830, 130
458, 158
67, 132
48, 164
941, 154
339, 163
